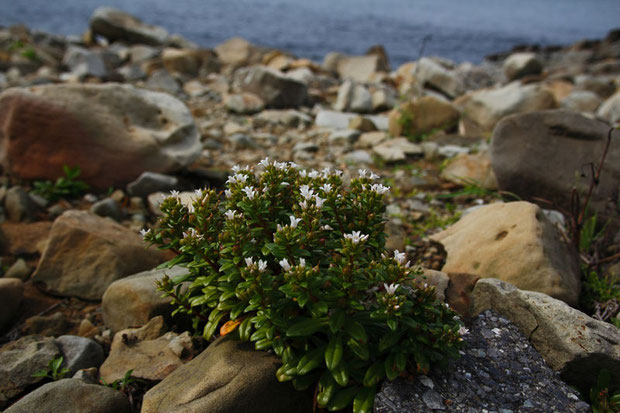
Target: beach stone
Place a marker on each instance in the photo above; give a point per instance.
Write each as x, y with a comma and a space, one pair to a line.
272, 86
134, 300
229, 376
112, 132
422, 115
288, 117
116, 25
353, 97
23, 238
357, 157
476, 168
370, 139
139, 53
53, 325
486, 107
19, 206
107, 207
190, 62
339, 120
150, 182
20, 359
357, 68
542, 155
571, 342
384, 98
432, 74
397, 149
11, 294
581, 101
516, 243
84, 62
20, 270
362, 124
163, 81
603, 87
610, 109
519, 65
79, 353
244, 103
72, 396
238, 52
343, 137
86, 253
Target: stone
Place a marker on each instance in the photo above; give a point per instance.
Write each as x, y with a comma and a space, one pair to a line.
437, 279
486, 107
357, 157
362, 124
581, 101
516, 243
458, 293
572, 343
338, 120
545, 155
150, 358
603, 87
370, 139
422, 115
237, 52
471, 168
162, 81
107, 207
272, 86
86, 253
244, 103
20, 270
357, 68
383, 98
397, 149
150, 182
72, 396
11, 294
112, 132
190, 62
20, 359
343, 137
19, 206
432, 74
353, 97
610, 109
229, 376
24, 238
134, 300
288, 117
116, 25
79, 353
519, 65
96, 63
47, 325
139, 53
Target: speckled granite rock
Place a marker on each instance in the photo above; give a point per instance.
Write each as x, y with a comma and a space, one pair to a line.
499, 371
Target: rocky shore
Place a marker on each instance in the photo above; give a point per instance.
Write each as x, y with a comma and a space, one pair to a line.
488, 166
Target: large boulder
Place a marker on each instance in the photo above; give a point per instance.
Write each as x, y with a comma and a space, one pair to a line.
516, 243
434, 75
228, 377
572, 343
86, 253
112, 132
421, 116
275, 89
116, 25
486, 107
11, 294
545, 154
72, 396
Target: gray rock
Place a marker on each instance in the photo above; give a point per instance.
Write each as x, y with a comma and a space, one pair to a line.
132, 72
519, 65
162, 81
581, 101
242, 140
272, 86
79, 353
358, 157
353, 97
610, 109
72, 396
139, 53
11, 294
244, 103
572, 343
19, 206
107, 207
149, 182
20, 269
339, 120
289, 117
116, 25
343, 137
306, 147
397, 149
433, 74
358, 68
84, 62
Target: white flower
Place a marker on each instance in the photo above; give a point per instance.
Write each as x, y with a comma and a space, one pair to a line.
303, 173
338, 173
284, 264
303, 205
379, 188
302, 262
326, 227
144, 231
174, 194
319, 201
399, 257
241, 178
236, 168
390, 289
306, 192
190, 208
463, 331
374, 176
231, 214
327, 188
313, 174
284, 184
249, 262
264, 162
278, 228
362, 173
198, 192
190, 233
228, 193
326, 172
356, 237
280, 165
250, 192
294, 221
262, 265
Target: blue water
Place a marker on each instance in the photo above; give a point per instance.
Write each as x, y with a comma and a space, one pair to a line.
461, 30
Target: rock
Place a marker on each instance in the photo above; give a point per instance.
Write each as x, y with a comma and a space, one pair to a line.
20, 270
190, 62
397, 149
610, 109
229, 376
437, 279
343, 137
516, 243
603, 87
353, 97
383, 98
84, 62
107, 207
339, 120
498, 371
362, 124
116, 25
11, 294
370, 139
519, 65
50, 326
20, 359
468, 168
581, 101
486, 107
572, 343
112, 132
436, 76
357, 68
422, 115
150, 358
162, 81
134, 300
150, 182
357, 157
139, 53
542, 155
72, 396
24, 238
275, 89
244, 103
458, 293
19, 206
86, 253
288, 117
237, 52
79, 353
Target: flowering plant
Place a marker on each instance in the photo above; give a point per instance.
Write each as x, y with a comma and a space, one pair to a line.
295, 262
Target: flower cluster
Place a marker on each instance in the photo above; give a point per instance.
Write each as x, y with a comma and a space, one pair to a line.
295, 262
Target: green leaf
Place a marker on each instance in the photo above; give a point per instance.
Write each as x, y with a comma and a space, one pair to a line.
56, 364
305, 327
245, 328
336, 320
303, 382
392, 324
364, 400
310, 361
356, 331
327, 388
389, 339
340, 373
262, 344
401, 360
391, 370
286, 372
374, 374
333, 352
342, 399
360, 349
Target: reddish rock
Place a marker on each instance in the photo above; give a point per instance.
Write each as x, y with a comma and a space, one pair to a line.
21, 238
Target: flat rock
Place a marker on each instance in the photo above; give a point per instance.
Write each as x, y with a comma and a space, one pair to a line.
79, 353
116, 25
572, 343
86, 253
112, 132
431, 73
358, 68
24, 238
397, 149
516, 243
272, 86
339, 120
353, 97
